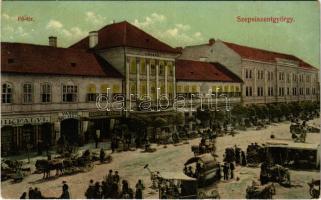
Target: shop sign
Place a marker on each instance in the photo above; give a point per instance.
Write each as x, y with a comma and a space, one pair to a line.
104, 114
19, 121
68, 115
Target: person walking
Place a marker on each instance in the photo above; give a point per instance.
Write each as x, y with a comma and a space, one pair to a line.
24, 195
243, 158
90, 190
102, 155
109, 178
116, 177
139, 190
65, 193
232, 167
225, 171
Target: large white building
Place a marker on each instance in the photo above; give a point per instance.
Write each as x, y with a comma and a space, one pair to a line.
268, 76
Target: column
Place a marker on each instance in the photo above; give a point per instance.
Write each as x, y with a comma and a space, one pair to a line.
127, 77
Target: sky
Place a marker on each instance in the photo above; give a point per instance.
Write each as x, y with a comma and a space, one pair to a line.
176, 23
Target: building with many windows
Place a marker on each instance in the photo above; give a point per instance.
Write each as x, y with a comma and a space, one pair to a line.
48, 92
268, 76
205, 85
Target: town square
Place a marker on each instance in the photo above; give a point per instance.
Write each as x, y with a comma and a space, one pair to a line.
125, 100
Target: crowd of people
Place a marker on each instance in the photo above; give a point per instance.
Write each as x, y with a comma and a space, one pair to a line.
110, 188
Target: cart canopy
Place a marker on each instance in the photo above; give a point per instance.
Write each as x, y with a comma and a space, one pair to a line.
176, 176
207, 159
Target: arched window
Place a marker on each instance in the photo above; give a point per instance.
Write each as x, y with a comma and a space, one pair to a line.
6, 93
45, 93
27, 90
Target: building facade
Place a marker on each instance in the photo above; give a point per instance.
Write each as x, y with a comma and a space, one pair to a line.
49, 92
268, 77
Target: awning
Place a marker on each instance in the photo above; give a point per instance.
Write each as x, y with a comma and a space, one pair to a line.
176, 176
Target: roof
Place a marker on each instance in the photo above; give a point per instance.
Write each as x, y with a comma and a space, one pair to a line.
205, 158
291, 144
264, 55
203, 71
39, 59
124, 34
176, 176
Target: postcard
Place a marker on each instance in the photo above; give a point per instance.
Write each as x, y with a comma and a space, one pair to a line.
160, 99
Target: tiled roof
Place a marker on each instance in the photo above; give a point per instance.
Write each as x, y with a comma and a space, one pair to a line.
264, 55
203, 71
38, 59
126, 35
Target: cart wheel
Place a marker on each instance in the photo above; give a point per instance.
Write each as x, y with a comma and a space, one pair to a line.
201, 195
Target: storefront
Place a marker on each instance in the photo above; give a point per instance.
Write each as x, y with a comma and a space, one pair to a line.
19, 133
103, 122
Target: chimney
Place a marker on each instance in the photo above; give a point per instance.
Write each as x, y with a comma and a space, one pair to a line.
53, 41
93, 39
211, 41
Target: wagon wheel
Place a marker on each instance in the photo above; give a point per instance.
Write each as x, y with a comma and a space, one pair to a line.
314, 192
201, 195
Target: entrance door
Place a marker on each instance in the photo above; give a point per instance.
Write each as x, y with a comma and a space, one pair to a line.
69, 128
6, 140
46, 133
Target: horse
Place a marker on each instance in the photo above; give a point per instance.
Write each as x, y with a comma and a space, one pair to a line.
47, 165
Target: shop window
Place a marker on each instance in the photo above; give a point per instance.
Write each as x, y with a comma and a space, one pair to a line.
69, 93
45, 93
6, 93
27, 93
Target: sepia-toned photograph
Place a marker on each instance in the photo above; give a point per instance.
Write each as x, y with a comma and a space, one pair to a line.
160, 100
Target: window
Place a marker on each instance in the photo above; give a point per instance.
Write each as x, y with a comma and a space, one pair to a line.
271, 75
133, 86
260, 91
152, 68
91, 93
246, 73
45, 93
6, 93
250, 75
133, 65
307, 91
288, 91
179, 89
27, 93
143, 88
69, 93
161, 69
248, 91
116, 89
288, 78
170, 69
142, 66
